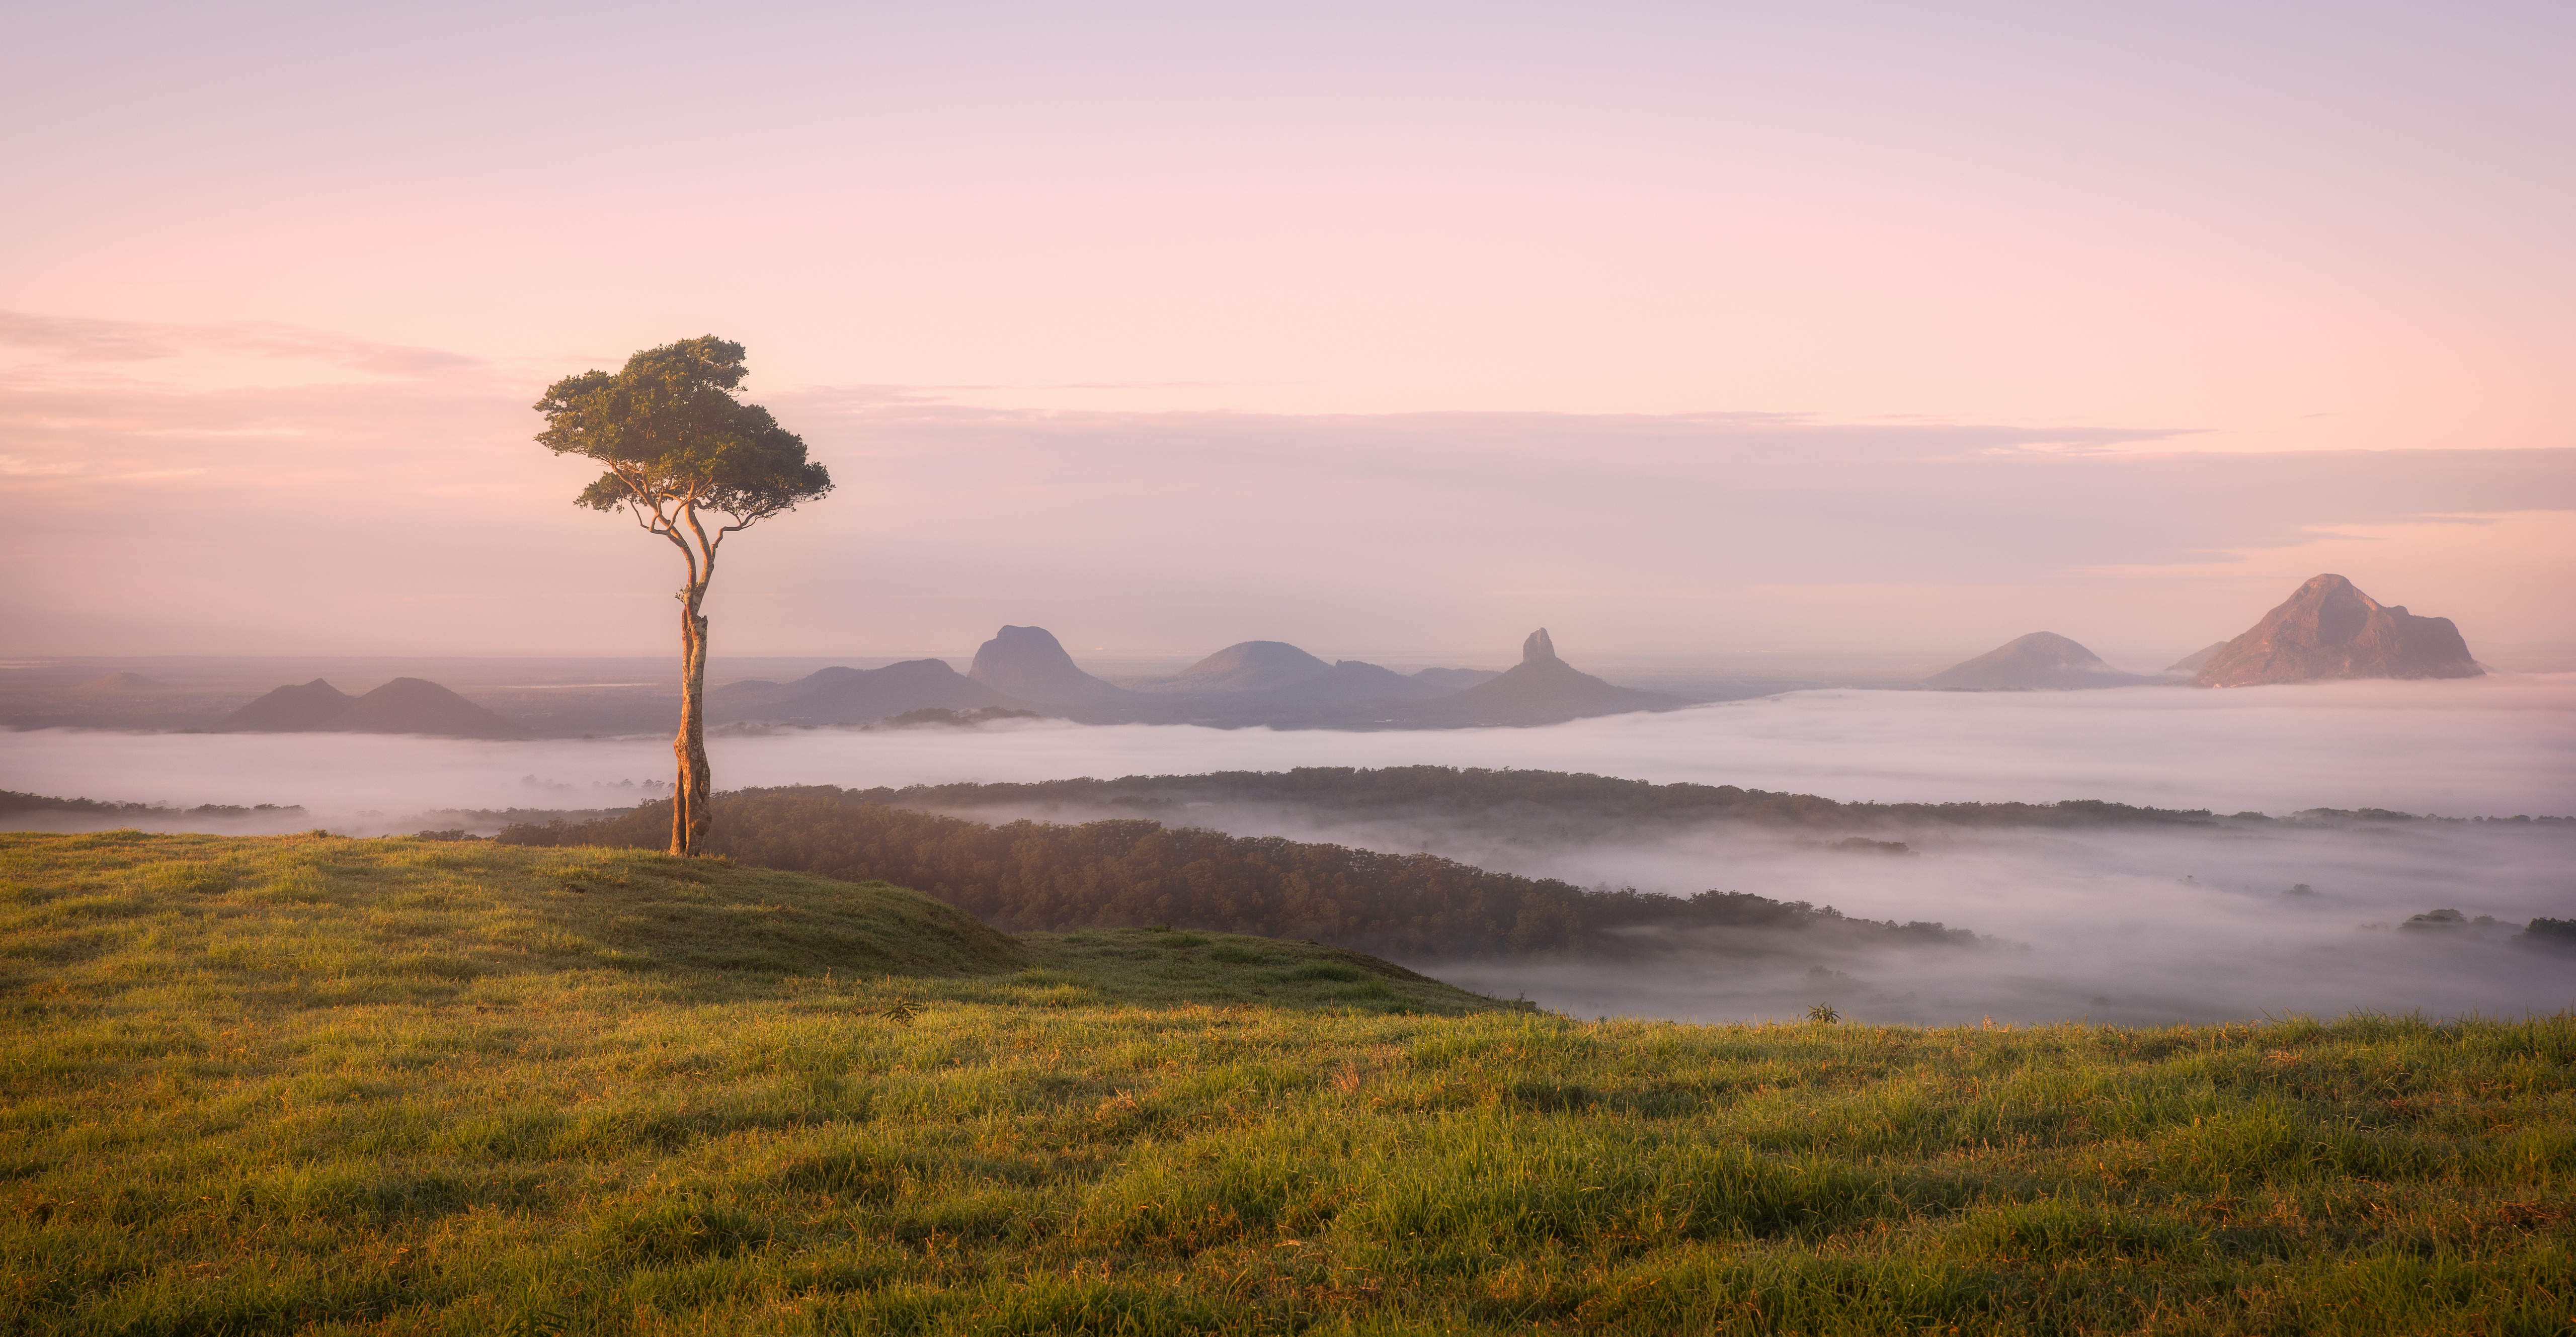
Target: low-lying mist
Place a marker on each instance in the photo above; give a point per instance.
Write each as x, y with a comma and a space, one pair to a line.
2491, 746
2115, 923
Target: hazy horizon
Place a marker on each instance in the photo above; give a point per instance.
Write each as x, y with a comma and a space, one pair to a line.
1682, 332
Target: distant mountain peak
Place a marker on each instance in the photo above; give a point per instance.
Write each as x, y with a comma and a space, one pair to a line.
1541, 689
2329, 629
2042, 659
1246, 666
1029, 663
405, 705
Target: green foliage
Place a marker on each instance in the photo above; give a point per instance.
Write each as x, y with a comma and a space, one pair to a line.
670, 431
1512, 795
1130, 872
395, 1104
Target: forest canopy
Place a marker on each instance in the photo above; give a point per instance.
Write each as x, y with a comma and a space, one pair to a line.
1135, 872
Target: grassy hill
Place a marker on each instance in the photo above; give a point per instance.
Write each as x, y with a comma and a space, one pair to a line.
379, 1086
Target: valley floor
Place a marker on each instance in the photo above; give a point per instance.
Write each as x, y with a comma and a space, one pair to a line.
309, 1084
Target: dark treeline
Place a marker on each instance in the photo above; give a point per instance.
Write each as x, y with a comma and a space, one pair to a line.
1128, 873
13, 801
1477, 790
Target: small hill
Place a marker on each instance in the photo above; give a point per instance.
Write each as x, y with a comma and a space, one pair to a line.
419, 706
2327, 630
1353, 683
837, 694
119, 683
2042, 659
294, 709
1030, 664
2190, 663
732, 700
1541, 689
1456, 679
1246, 666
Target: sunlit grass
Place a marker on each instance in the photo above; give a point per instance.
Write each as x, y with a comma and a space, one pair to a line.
326, 1085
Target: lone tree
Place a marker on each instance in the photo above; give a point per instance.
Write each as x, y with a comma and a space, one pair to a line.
682, 453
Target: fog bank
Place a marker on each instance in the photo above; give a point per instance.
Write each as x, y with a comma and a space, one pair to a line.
2116, 923
2492, 746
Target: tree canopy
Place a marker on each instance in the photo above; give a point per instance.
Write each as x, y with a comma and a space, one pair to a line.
675, 440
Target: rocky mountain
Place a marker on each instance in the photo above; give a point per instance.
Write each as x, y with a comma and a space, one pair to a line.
2190, 663
1541, 689
1247, 666
1029, 663
855, 696
293, 709
417, 705
405, 705
2327, 629
2041, 659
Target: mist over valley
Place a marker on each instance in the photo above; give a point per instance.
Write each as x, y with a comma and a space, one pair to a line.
2196, 916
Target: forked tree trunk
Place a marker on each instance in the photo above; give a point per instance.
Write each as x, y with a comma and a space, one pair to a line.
690, 811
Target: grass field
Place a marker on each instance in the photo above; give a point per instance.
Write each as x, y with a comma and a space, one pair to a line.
376, 1086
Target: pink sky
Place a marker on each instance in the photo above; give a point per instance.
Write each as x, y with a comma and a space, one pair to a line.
1683, 330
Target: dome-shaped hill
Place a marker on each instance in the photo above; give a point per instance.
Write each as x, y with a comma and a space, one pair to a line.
292, 709
2042, 659
1246, 666
855, 696
417, 705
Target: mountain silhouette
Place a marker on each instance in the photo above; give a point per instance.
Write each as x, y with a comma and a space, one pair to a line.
848, 695
417, 705
2040, 659
2191, 663
1541, 689
1028, 663
1456, 679
2328, 629
1247, 666
1353, 683
288, 710
405, 705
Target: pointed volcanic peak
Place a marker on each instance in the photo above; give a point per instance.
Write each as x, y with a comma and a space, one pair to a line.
855, 696
2190, 664
2329, 630
1028, 663
419, 706
1246, 666
1541, 689
297, 709
2043, 659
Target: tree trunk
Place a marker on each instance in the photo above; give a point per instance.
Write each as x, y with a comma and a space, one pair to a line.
690, 794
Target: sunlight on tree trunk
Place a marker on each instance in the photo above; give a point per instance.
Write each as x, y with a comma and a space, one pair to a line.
677, 443
690, 814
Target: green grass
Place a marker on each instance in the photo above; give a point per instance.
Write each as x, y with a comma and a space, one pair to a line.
381, 1086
